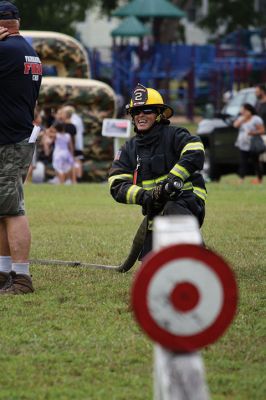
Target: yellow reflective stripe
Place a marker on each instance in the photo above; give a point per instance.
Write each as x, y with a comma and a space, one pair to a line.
187, 186
119, 177
197, 190
200, 192
150, 184
132, 194
192, 147
179, 171
161, 178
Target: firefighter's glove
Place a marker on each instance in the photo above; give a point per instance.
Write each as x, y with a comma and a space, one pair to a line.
150, 206
173, 187
158, 193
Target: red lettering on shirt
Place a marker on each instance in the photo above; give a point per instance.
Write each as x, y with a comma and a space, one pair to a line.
27, 67
36, 69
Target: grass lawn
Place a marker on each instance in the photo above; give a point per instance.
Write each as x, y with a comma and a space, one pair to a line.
190, 126
75, 337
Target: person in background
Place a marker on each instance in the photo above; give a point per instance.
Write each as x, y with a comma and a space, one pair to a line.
79, 138
47, 144
63, 155
64, 115
158, 168
20, 80
48, 117
38, 122
249, 124
260, 92
45, 148
79, 142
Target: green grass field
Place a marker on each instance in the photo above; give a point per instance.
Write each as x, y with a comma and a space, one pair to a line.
75, 338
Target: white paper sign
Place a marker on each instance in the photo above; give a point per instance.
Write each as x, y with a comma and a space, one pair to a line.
34, 134
119, 128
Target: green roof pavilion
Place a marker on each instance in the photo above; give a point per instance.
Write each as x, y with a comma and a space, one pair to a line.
131, 27
149, 8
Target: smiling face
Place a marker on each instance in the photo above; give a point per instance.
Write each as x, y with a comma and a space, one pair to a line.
144, 118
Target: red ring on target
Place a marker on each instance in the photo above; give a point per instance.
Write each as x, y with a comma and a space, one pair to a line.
184, 297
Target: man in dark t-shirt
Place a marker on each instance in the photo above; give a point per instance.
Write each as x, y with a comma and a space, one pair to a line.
20, 80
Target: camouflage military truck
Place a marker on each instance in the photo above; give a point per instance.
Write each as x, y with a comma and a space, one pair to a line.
66, 80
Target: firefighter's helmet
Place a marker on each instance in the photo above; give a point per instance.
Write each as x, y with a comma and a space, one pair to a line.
143, 96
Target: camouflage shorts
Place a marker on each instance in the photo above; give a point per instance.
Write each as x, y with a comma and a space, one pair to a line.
15, 160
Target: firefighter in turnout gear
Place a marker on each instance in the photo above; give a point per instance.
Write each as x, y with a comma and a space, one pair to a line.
158, 168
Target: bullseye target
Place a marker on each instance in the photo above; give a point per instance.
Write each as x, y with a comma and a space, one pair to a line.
184, 297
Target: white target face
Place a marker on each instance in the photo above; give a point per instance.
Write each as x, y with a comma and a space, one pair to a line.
184, 297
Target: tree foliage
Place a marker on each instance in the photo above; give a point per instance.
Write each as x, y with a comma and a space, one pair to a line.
62, 15
58, 15
228, 15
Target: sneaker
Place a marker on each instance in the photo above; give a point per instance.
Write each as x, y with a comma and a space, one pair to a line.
256, 181
17, 284
4, 277
54, 180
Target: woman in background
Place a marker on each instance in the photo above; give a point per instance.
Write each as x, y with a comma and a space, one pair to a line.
249, 124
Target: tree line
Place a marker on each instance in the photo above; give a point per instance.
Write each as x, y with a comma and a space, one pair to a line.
63, 15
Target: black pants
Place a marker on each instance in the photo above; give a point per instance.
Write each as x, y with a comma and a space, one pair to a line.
187, 204
245, 157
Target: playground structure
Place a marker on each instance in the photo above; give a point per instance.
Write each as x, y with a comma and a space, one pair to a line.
188, 76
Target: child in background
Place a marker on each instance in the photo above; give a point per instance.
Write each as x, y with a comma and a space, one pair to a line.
63, 155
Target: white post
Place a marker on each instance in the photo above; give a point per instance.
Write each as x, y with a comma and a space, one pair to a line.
177, 376
116, 145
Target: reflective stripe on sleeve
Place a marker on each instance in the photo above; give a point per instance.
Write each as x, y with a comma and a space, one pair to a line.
121, 177
201, 193
181, 172
188, 186
150, 184
192, 147
132, 194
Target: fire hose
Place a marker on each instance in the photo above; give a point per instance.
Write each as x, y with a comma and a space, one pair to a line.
124, 267
135, 249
